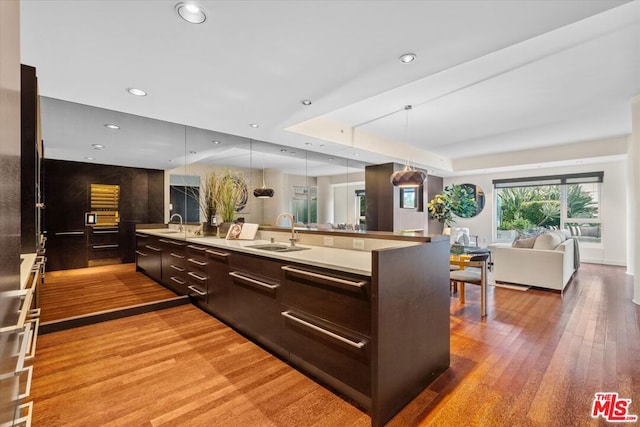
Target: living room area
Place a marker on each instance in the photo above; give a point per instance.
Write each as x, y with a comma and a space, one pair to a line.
610, 247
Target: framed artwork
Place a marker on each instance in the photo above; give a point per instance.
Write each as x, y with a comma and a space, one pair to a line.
409, 198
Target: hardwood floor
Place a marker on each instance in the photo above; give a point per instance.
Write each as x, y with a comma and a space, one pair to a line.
70, 293
536, 360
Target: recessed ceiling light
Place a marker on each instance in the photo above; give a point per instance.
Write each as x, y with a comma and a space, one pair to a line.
293, 152
215, 142
170, 161
306, 102
191, 13
282, 150
308, 143
355, 154
97, 146
192, 152
111, 126
136, 92
90, 158
407, 58
254, 125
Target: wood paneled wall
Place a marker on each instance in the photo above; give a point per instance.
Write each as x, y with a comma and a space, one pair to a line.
67, 199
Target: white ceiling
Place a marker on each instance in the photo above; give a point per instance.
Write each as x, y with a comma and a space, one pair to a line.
490, 76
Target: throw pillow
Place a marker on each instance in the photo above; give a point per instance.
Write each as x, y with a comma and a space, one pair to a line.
547, 241
524, 243
560, 234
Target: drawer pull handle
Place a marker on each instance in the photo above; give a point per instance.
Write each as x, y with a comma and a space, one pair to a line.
356, 344
197, 248
178, 281
216, 253
153, 248
197, 276
106, 232
175, 267
195, 261
35, 319
164, 241
27, 391
197, 291
173, 242
324, 277
141, 253
254, 281
175, 255
105, 246
70, 233
141, 235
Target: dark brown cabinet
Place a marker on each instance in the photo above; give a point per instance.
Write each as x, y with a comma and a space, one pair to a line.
379, 339
67, 196
67, 249
174, 265
328, 323
149, 256
218, 298
103, 246
255, 307
197, 274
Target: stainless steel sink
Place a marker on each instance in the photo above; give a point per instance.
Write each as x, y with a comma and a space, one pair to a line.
277, 248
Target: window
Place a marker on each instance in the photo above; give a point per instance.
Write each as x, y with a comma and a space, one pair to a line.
529, 206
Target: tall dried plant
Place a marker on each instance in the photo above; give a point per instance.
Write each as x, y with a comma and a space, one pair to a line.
230, 194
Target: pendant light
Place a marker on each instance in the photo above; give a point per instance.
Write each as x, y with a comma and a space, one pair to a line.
264, 192
409, 176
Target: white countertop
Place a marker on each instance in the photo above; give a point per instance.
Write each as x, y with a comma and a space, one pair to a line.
28, 260
350, 261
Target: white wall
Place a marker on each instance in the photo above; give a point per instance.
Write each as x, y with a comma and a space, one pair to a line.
614, 188
344, 202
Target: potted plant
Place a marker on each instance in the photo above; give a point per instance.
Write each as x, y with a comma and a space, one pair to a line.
230, 197
454, 200
208, 202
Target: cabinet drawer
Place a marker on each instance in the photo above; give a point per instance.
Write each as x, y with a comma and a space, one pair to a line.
103, 236
263, 266
196, 264
341, 299
197, 287
103, 251
255, 307
177, 283
341, 353
196, 258
176, 258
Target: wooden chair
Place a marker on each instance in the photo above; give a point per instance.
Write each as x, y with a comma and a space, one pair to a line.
474, 271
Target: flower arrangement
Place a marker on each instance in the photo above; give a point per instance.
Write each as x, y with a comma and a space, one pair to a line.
455, 200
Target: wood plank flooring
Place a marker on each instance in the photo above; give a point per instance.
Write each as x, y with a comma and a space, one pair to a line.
70, 293
536, 360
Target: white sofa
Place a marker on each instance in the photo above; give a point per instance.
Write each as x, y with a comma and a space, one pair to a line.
550, 263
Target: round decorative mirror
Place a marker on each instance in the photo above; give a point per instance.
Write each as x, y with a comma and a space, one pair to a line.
477, 193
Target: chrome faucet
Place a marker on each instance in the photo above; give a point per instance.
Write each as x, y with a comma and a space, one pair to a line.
294, 238
179, 216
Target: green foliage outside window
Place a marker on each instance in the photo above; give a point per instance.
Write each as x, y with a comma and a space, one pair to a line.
524, 208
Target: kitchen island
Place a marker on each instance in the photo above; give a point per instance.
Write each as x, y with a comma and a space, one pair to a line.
372, 325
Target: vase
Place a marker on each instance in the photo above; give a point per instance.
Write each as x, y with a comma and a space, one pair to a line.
208, 229
223, 228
